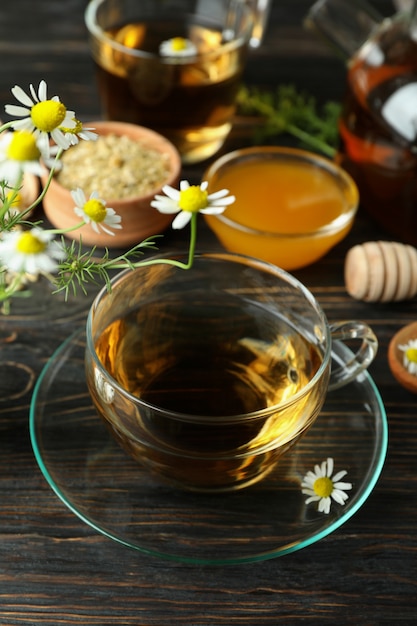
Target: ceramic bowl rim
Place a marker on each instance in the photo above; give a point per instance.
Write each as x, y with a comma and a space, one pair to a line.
125, 129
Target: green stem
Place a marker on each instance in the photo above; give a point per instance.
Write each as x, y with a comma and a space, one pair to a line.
114, 264
14, 286
46, 186
8, 201
63, 231
311, 140
6, 125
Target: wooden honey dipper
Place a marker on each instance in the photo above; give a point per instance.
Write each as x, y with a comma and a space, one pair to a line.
381, 271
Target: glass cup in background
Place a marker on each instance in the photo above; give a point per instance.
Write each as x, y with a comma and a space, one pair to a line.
207, 377
188, 98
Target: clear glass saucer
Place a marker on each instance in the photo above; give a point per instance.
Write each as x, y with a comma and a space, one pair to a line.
122, 500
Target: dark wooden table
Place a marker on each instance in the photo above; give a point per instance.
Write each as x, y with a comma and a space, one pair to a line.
56, 570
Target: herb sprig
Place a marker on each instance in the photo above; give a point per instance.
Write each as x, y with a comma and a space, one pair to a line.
288, 110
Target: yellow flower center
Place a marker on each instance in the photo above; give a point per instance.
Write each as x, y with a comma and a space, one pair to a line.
178, 44
323, 487
77, 128
95, 210
30, 244
17, 199
193, 199
48, 115
411, 354
23, 147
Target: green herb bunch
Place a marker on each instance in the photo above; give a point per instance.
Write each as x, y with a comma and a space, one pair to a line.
296, 113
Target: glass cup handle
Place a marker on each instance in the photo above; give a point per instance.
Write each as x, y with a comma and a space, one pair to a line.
344, 24
261, 9
346, 331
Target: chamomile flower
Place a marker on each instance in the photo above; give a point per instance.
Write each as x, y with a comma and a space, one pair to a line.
32, 252
191, 199
322, 487
410, 356
42, 116
73, 135
95, 212
19, 153
177, 47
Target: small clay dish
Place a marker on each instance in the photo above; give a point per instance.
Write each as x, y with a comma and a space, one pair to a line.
395, 357
127, 165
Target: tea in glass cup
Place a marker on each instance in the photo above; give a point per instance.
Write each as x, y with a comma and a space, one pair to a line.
175, 67
208, 376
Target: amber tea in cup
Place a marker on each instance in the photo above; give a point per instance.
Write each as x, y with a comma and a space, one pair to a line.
174, 67
208, 376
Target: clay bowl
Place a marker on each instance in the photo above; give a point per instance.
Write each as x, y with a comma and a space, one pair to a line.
395, 357
139, 219
29, 191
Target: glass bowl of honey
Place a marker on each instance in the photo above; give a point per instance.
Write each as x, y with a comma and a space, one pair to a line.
292, 206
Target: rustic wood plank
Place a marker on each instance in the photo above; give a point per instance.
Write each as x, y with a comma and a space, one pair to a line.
54, 569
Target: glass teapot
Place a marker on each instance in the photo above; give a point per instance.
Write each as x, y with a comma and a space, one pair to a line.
378, 124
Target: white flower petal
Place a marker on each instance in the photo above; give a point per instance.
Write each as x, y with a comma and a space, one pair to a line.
310, 476
69, 119
33, 93
218, 194
80, 213
340, 485
22, 96
14, 109
25, 124
78, 196
181, 220
319, 471
224, 202
339, 475
43, 144
59, 137
172, 193
330, 466
213, 210
339, 496
165, 205
88, 134
324, 505
42, 91
184, 184
312, 499
103, 228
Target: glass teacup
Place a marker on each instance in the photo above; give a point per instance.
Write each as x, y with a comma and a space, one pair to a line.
176, 66
208, 376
